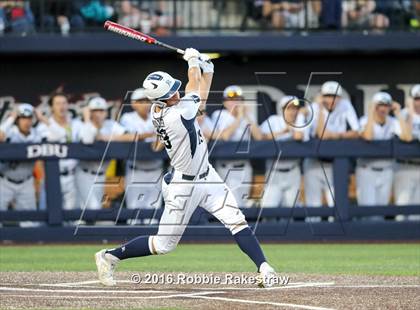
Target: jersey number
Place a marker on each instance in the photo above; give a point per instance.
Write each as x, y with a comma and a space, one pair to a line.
200, 137
165, 138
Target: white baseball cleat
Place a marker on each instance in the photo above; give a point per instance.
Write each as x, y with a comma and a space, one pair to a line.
267, 275
106, 264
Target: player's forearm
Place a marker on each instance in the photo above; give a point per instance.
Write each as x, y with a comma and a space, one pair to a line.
157, 146
367, 133
351, 134
205, 85
228, 132
194, 77
255, 132
406, 133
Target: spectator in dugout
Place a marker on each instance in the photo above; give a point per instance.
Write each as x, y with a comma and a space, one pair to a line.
283, 176
16, 177
334, 118
90, 175
360, 14
407, 175
16, 17
374, 177
236, 123
60, 127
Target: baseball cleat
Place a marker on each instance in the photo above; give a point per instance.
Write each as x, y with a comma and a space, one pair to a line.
106, 264
267, 276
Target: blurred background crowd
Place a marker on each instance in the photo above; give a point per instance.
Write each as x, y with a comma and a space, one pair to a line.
164, 17
258, 183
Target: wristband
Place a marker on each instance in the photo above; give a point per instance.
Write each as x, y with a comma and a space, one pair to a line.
7, 124
193, 62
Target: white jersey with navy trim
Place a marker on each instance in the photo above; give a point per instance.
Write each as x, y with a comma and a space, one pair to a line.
88, 134
133, 123
20, 170
386, 131
179, 131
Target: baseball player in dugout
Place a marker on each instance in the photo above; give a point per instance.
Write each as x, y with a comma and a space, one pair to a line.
193, 181
90, 175
374, 177
407, 176
283, 176
60, 127
16, 177
142, 178
236, 123
333, 118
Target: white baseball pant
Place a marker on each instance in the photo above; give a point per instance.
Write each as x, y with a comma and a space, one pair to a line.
238, 177
143, 189
407, 187
68, 191
373, 185
281, 187
182, 198
318, 183
91, 188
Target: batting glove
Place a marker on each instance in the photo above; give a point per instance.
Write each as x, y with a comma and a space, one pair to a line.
205, 64
191, 56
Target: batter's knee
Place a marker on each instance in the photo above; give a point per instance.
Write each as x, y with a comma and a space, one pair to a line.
162, 244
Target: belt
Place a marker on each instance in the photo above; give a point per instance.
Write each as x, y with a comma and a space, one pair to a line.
192, 177
286, 169
67, 172
374, 168
15, 181
144, 169
408, 162
234, 166
92, 172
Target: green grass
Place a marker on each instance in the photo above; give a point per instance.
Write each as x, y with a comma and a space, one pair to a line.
366, 259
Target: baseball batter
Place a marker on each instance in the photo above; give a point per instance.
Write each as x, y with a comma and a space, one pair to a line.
334, 118
142, 178
235, 123
61, 128
283, 176
16, 177
90, 175
407, 176
193, 180
374, 177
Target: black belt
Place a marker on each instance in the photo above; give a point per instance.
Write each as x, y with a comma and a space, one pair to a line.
408, 162
286, 169
192, 177
17, 182
92, 172
144, 169
377, 169
67, 172
234, 166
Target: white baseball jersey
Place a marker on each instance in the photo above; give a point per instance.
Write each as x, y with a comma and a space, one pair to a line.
179, 131
416, 124
133, 123
276, 123
207, 124
20, 170
87, 135
222, 119
339, 120
386, 131
54, 132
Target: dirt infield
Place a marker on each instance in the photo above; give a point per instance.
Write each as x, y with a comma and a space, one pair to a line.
73, 290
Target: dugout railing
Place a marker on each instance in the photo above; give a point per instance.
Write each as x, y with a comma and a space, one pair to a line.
346, 226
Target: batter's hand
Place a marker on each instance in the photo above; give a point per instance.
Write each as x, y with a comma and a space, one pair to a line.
191, 53
205, 64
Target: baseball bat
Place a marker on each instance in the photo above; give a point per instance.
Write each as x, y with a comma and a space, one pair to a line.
139, 36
